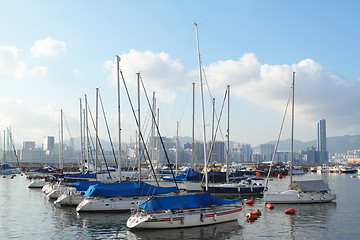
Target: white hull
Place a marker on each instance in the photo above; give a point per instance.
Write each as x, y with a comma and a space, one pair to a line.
109, 204
36, 184
199, 217
72, 199
292, 196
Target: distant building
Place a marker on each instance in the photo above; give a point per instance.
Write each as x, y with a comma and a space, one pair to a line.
321, 135
241, 153
28, 145
218, 151
323, 155
49, 143
267, 151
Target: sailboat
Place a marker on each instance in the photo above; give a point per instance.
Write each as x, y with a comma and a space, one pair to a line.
188, 210
311, 191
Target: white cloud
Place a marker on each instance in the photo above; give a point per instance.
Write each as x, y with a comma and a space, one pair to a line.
160, 73
10, 64
47, 47
319, 92
76, 72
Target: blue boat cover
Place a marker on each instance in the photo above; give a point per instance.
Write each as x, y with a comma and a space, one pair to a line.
126, 189
86, 175
182, 177
84, 185
185, 201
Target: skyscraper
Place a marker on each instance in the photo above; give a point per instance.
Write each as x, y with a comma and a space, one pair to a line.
48, 143
321, 135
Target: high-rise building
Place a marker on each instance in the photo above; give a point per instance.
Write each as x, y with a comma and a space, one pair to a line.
321, 141
267, 151
321, 135
28, 145
49, 143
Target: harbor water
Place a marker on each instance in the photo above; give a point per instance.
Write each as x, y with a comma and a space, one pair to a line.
27, 214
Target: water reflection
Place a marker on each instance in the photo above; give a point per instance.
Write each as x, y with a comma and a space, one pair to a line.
217, 231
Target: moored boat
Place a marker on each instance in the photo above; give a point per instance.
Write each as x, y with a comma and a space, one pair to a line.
184, 211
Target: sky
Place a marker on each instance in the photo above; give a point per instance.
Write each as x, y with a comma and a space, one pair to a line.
53, 53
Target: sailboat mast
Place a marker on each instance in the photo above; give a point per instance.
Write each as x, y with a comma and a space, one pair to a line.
96, 131
228, 137
87, 134
193, 130
202, 109
62, 141
292, 130
119, 118
177, 146
81, 139
139, 123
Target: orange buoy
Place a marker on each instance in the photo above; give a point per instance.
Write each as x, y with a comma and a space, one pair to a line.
256, 212
280, 175
257, 174
269, 206
290, 211
249, 201
251, 216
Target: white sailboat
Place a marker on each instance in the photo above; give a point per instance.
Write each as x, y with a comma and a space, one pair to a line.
312, 191
187, 210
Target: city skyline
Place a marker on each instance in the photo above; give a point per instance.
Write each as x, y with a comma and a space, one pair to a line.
53, 53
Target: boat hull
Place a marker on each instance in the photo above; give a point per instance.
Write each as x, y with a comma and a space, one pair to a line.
236, 189
183, 219
109, 204
292, 196
66, 199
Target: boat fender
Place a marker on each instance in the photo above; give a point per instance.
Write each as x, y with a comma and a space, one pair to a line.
214, 217
251, 216
269, 206
256, 212
290, 211
312, 197
322, 197
171, 219
182, 220
201, 217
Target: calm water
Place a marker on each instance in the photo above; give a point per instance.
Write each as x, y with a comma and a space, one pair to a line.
27, 214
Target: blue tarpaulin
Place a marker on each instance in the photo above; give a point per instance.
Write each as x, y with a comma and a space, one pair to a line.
185, 201
126, 189
84, 185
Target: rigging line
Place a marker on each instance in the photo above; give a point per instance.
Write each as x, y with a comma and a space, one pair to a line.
277, 142
217, 126
158, 131
211, 97
137, 124
12, 143
71, 140
108, 131
186, 102
101, 148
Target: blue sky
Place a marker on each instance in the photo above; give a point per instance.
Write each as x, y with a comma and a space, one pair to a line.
54, 52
